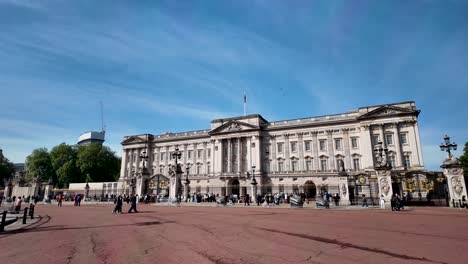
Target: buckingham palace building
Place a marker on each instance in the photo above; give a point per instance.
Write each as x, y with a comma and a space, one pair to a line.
310, 156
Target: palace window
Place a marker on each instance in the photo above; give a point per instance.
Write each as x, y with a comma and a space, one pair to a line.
208, 153
161, 170
280, 166
356, 165
403, 138
323, 164
189, 154
307, 145
294, 165
407, 161
199, 168
208, 168
281, 188
338, 162
392, 161
389, 139
375, 139
337, 143
199, 153
280, 147
322, 145
162, 156
308, 165
293, 146
354, 142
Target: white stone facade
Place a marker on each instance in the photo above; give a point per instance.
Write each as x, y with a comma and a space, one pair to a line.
298, 155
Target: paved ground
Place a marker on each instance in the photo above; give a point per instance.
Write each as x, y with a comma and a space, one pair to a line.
91, 234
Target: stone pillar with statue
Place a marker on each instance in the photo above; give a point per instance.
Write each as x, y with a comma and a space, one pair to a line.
453, 170
47, 194
175, 187
383, 170
343, 184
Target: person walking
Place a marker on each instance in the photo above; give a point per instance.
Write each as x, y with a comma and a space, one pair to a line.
247, 198
59, 200
18, 204
364, 201
133, 202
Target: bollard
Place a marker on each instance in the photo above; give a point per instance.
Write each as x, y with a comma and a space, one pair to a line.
31, 211
25, 215
2, 224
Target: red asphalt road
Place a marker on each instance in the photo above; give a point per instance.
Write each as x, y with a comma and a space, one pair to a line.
92, 234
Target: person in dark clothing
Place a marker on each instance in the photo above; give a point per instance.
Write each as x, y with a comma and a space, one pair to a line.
118, 204
247, 199
133, 202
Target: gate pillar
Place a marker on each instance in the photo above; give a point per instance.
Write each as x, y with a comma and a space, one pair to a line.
453, 170
385, 186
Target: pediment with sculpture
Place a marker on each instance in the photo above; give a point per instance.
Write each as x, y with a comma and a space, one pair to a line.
233, 126
389, 110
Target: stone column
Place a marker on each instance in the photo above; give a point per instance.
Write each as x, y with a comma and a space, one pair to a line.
315, 149
418, 143
249, 153
123, 164
453, 170
300, 145
331, 150
229, 157
204, 157
273, 166
398, 152
239, 157
137, 166
256, 150
347, 152
382, 134
366, 147
287, 165
48, 187
384, 181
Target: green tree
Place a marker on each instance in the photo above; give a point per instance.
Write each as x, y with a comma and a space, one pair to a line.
64, 158
7, 169
99, 162
39, 164
464, 158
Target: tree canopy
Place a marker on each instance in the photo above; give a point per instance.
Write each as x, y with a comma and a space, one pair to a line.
464, 158
7, 169
39, 164
70, 163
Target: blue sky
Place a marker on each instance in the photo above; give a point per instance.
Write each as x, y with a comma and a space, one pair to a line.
175, 65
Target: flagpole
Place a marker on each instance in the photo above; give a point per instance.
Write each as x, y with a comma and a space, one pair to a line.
245, 104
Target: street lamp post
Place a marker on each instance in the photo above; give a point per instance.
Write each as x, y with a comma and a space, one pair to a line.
448, 146
177, 155
254, 184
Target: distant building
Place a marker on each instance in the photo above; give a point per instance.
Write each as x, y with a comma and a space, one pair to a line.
91, 137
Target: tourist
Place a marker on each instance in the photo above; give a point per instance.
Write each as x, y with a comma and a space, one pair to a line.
18, 204
133, 203
118, 205
247, 198
337, 199
463, 202
364, 201
59, 200
393, 202
382, 202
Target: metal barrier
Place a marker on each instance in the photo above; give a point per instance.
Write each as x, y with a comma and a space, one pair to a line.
25, 215
31, 211
3, 223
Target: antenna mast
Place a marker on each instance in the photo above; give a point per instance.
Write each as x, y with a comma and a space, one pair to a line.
102, 117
